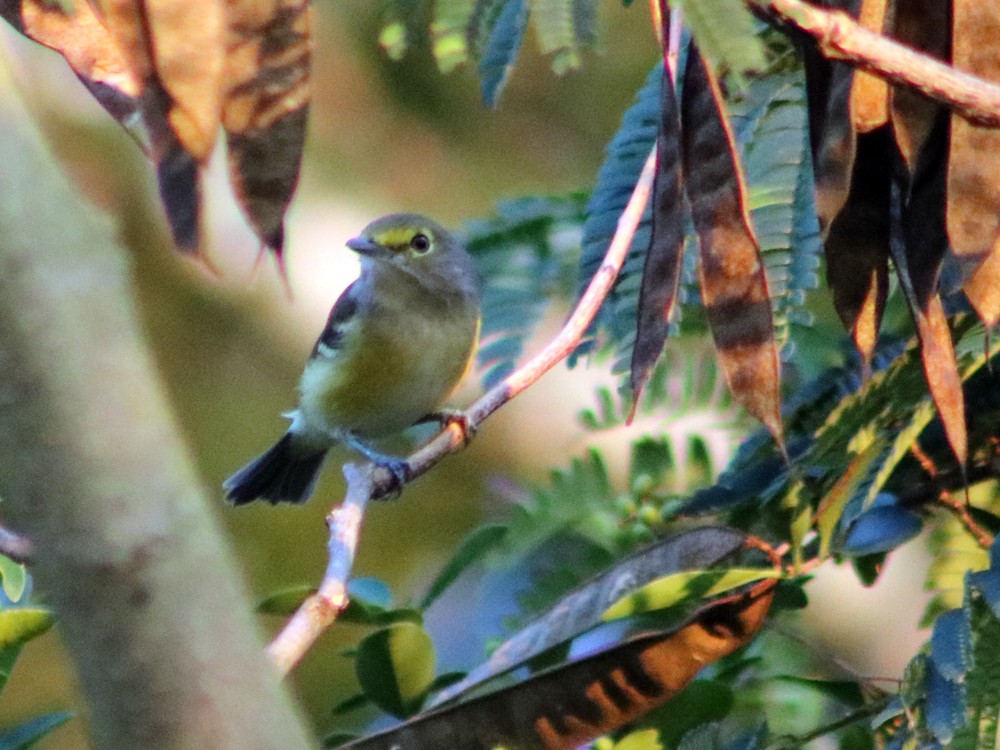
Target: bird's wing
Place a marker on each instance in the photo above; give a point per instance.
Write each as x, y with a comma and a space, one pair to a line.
341, 316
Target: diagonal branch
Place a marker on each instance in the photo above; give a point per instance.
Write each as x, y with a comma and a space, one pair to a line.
841, 37
319, 611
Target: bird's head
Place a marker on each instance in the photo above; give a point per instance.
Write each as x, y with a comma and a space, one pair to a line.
416, 245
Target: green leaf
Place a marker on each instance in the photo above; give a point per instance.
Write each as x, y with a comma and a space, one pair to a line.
27, 734
351, 703
15, 578
285, 601
8, 657
523, 253
847, 692
476, 545
856, 737
338, 738
857, 477
395, 667
403, 24
701, 702
553, 22
368, 603
20, 624
732, 45
685, 586
505, 34
448, 33
372, 592
642, 739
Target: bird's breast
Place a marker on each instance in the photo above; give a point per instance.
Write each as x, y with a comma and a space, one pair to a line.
392, 369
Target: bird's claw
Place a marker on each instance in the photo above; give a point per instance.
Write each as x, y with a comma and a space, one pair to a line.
400, 471
447, 417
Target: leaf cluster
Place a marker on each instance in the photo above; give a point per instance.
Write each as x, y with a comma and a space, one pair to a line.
20, 622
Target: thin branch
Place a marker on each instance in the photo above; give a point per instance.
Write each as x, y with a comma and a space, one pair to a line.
957, 508
320, 611
864, 712
841, 37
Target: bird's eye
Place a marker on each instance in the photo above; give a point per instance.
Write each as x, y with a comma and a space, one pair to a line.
420, 243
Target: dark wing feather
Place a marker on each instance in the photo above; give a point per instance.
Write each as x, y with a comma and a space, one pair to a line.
331, 339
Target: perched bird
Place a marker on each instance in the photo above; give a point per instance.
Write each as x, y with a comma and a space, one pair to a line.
397, 342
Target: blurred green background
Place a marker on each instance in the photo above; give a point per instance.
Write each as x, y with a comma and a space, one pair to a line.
384, 136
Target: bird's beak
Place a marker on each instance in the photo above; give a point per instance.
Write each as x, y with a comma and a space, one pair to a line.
366, 246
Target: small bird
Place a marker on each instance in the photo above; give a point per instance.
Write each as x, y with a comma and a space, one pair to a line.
398, 341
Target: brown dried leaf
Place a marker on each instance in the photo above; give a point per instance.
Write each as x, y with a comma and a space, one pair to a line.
180, 48
831, 131
983, 288
869, 93
852, 190
124, 20
857, 245
974, 162
565, 707
661, 271
92, 53
80, 37
941, 370
921, 225
188, 49
731, 271
925, 26
176, 172
265, 107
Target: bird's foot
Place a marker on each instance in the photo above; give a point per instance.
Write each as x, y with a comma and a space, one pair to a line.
447, 417
400, 471
398, 468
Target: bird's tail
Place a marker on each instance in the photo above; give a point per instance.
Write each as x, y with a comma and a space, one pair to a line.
284, 474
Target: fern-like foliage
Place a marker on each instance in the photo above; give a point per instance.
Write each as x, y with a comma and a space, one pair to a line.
489, 33
688, 404
952, 688
769, 120
771, 116
954, 553
523, 253
847, 443
564, 28
616, 180
732, 45
449, 40
496, 35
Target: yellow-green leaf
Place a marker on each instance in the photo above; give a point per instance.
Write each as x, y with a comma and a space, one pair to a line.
685, 586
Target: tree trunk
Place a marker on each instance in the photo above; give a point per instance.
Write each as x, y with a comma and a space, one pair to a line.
93, 469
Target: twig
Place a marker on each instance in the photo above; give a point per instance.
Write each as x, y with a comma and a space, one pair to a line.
320, 610
792, 742
840, 37
957, 508
371, 483
18, 548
